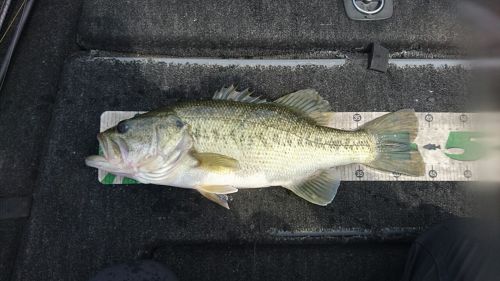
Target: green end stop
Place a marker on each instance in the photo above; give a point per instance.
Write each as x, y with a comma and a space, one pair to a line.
129, 181
413, 147
108, 179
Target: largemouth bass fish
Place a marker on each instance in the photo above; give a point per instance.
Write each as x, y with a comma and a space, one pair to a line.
238, 141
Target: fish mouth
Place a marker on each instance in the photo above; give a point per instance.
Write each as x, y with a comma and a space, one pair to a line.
98, 162
148, 165
114, 158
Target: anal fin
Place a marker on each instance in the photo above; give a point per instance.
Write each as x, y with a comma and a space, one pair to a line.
319, 189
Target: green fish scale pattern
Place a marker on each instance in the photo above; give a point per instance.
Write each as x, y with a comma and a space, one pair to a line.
271, 139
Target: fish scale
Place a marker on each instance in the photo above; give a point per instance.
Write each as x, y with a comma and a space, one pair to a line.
271, 138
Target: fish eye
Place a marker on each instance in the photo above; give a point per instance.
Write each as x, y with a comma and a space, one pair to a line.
122, 127
179, 124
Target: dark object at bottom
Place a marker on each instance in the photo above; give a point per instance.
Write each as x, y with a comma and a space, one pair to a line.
462, 249
136, 271
378, 57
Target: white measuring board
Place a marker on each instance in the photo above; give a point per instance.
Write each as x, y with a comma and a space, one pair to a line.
434, 130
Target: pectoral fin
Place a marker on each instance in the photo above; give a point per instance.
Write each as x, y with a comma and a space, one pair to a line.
220, 199
216, 162
319, 188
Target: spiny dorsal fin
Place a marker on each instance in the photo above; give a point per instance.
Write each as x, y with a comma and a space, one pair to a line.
230, 93
217, 163
319, 188
220, 199
305, 101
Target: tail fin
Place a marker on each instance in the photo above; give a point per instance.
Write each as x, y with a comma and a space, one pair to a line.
395, 133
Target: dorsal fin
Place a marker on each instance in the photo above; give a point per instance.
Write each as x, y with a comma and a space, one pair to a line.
311, 104
230, 93
305, 101
324, 119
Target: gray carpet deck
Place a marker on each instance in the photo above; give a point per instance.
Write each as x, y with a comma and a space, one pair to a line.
286, 262
78, 225
263, 28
